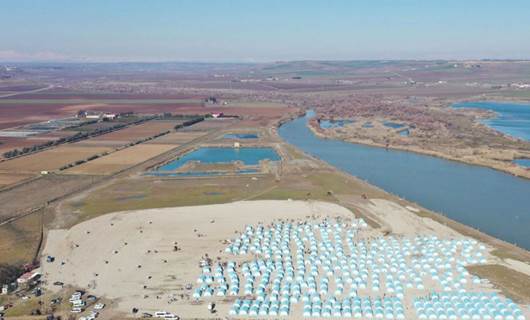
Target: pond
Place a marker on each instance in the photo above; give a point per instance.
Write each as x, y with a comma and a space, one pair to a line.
332, 124
522, 162
238, 136
393, 125
213, 155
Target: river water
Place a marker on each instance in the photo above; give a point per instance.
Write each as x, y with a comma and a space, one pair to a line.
512, 119
489, 200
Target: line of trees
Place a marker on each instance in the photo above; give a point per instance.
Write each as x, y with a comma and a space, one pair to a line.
73, 138
9, 273
189, 123
85, 135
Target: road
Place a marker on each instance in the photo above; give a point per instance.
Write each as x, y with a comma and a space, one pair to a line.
26, 92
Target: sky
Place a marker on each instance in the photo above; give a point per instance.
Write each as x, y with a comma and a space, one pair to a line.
262, 30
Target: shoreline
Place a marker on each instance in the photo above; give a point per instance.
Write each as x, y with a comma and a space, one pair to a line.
516, 171
510, 168
508, 250
481, 120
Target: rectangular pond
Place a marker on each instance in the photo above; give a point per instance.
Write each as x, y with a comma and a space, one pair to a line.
238, 136
213, 155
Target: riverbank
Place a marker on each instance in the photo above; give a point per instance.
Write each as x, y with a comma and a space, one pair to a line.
511, 263
507, 167
493, 196
503, 249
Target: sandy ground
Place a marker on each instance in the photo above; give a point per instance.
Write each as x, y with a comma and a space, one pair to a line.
517, 265
401, 220
124, 239
129, 256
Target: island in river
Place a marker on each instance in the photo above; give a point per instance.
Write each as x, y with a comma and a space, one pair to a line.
493, 135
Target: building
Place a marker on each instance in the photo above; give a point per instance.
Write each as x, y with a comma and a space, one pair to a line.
5, 289
96, 115
27, 277
110, 116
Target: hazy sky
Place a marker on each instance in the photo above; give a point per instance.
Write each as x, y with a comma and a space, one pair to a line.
262, 30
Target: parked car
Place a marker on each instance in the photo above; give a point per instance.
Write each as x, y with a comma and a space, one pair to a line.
99, 306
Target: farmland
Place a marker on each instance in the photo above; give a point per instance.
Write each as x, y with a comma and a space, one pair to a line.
52, 159
11, 143
135, 133
7, 178
121, 159
24, 197
67, 155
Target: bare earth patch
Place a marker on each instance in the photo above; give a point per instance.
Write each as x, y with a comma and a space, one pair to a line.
117, 254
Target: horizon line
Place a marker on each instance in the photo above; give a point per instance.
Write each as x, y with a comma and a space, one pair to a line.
242, 61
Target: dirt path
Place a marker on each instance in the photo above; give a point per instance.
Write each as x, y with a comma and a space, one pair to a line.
26, 92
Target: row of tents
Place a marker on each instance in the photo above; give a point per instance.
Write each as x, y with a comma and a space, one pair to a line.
315, 262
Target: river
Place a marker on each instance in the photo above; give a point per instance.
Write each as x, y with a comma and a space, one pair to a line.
489, 200
512, 119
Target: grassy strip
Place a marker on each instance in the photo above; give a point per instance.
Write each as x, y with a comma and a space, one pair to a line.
514, 284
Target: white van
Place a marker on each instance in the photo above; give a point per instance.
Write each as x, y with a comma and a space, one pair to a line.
75, 296
78, 303
161, 314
